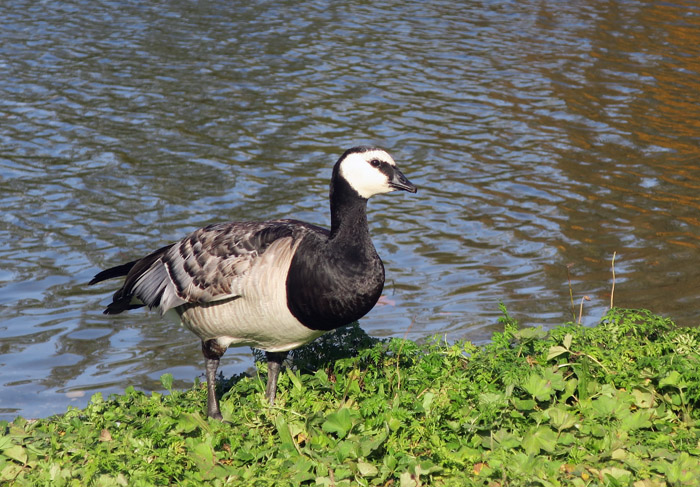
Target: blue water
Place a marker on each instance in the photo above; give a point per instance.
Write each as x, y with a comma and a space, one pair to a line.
544, 137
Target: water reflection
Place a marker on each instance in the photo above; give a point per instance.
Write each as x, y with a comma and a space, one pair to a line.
542, 135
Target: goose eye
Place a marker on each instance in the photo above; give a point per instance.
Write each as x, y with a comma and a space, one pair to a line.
375, 162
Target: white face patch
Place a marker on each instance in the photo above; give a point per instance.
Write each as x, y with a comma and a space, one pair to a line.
364, 178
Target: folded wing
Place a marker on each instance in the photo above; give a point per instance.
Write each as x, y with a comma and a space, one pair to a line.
208, 265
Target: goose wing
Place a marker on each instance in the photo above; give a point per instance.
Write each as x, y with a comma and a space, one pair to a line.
208, 265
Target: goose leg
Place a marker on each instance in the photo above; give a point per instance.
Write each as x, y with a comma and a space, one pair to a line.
274, 364
212, 353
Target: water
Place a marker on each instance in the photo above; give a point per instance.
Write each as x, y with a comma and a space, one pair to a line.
544, 137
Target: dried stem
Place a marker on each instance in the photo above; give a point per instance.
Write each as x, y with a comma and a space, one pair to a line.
580, 310
571, 291
612, 292
398, 356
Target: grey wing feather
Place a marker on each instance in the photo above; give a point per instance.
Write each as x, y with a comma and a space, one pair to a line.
208, 265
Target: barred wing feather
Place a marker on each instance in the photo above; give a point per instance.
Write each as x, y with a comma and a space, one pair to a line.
208, 265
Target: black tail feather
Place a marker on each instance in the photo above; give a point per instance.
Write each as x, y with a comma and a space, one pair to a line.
123, 299
118, 271
117, 307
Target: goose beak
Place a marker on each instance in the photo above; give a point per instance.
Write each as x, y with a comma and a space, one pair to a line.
399, 181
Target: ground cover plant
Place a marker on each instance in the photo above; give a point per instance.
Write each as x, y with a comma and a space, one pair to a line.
612, 405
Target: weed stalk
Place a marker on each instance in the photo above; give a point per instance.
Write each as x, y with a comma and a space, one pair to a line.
571, 290
612, 291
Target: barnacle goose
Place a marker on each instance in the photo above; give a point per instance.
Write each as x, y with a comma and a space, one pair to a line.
273, 285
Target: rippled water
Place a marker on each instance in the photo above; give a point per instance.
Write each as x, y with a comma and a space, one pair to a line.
544, 136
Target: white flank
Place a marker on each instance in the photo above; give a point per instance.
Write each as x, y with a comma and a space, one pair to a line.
362, 176
259, 317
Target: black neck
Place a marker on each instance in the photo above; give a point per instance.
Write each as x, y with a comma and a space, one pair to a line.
336, 279
348, 213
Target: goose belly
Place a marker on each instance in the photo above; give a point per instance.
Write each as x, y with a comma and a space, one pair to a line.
246, 322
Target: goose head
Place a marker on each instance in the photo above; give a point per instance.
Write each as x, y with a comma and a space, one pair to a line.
370, 171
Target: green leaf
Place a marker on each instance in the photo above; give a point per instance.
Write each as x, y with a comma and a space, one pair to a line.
344, 450
636, 420
367, 469
605, 406
427, 467
202, 453
284, 433
560, 418
295, 380
394, 423
530, 333
167, 381
538, 387
406, 479
9, 471
17, 453
370, 444
491, 399
555, 378
524, 404
188, 422
541, 438
567, 340
684, 470
427, 401
618, 474
643, 399
506, 440
570, 387
555, 351
5, 442
673, 379
339, 423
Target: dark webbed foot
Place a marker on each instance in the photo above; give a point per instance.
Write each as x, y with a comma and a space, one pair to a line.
274, 364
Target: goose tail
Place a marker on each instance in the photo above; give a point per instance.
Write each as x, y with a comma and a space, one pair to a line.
112, 272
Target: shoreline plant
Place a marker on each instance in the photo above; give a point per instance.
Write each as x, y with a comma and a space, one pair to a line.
612, 405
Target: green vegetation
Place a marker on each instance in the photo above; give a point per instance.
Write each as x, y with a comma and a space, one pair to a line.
613, 405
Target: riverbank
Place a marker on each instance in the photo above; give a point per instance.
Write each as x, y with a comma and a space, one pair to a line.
616, 404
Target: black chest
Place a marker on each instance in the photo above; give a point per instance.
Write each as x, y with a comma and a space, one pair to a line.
330, 284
